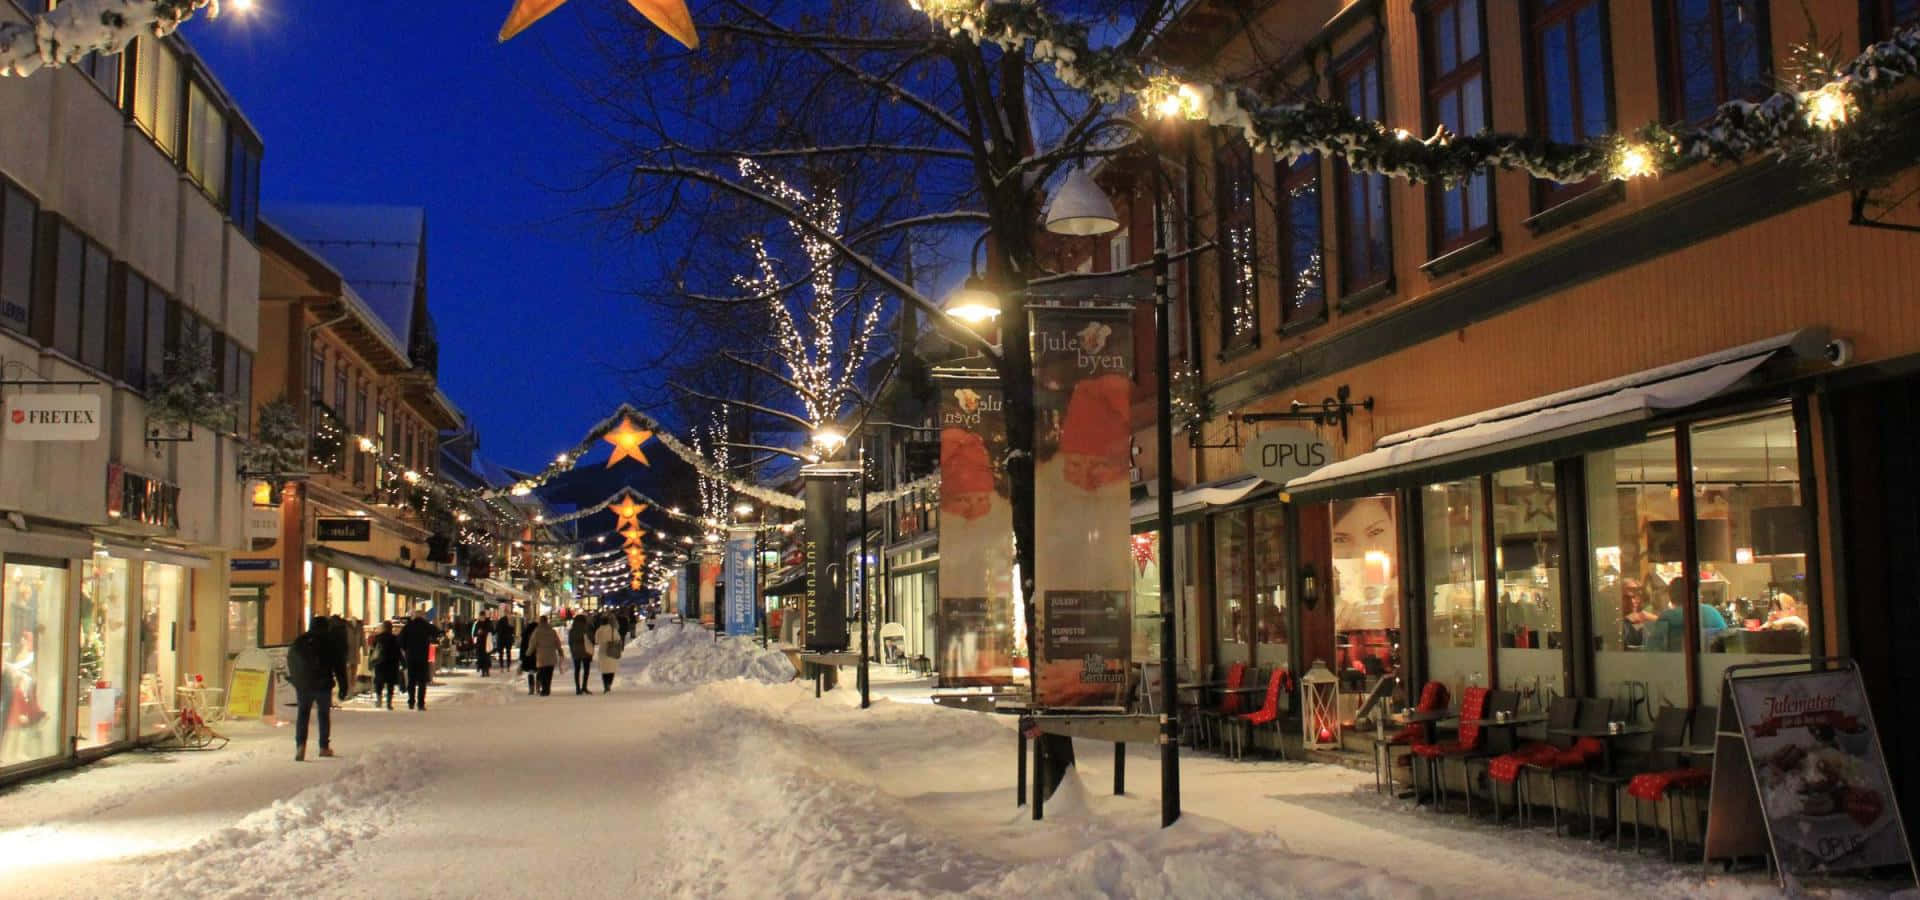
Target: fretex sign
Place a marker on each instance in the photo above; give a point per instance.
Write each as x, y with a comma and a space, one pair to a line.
52, 417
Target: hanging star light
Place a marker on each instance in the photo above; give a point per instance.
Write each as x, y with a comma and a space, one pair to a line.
626, 441
633, 536
628, 511
670, 16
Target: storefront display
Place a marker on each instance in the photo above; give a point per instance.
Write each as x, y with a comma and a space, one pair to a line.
1453, 542
1270, 583
1366, 587
102, 690
1526, 553
1746, 475
33, 684
163, 597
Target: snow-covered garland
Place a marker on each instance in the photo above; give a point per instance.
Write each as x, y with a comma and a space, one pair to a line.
76, 28
1738, 129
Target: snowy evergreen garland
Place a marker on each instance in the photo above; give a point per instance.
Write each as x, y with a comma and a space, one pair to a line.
279, 444
186, 393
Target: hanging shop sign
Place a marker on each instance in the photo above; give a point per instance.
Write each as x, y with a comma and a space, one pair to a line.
1280, 455
343, 529
263, 523
241, 564
738, 578
1083, 569
141, 500
52, 417
975, 624
824, 548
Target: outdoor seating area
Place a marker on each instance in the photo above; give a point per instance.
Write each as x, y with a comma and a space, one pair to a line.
1576, 759
1229, 710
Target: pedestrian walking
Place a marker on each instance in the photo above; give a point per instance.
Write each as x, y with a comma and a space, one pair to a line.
482, 658
580, 648
611, 644
313, 668
543, 646
388, 656
417, 639
503, 635
526, 657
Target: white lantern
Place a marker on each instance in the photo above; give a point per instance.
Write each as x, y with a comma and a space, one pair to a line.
1321, 691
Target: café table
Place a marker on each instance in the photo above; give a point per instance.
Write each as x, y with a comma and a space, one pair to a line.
1608, 738
1427, 721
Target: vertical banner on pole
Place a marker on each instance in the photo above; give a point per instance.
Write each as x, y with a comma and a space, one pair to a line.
826, 559
974, 627
1083, 570
709, 581
690, 595
738, 577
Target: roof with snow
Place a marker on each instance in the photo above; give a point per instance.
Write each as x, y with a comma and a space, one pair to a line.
380, 250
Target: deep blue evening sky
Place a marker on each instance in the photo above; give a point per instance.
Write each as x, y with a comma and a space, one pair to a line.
415, 103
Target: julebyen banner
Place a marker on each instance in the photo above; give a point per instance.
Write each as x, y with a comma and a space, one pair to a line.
826, 546
1083, 570
975, 626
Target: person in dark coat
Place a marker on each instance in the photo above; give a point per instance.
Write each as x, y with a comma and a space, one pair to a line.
313, 668
482, 659
387, 656
580, 650
526, 660
339, 651
503, 638
416, 638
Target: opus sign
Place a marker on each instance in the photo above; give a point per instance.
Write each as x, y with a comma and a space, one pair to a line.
52, 417
1283, 454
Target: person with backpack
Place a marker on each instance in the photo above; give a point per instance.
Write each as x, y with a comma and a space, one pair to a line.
610, 642
313, 668
387, 657
580, 648
417, 638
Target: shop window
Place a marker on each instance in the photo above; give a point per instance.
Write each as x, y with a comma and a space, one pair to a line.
1304, 282
1147, 560
1456, 64
1887, 17
1239, 283
1572, 82
1366, 587
1454, 548
33, 642
1366, 248
1230, 582
246, 630
163, 598
206, 143
1753, 560
101, 701
1638, 593
18, 217
1526, 556
155, 92
1270, 583
1716, 51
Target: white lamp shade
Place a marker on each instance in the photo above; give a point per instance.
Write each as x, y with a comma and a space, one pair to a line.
1080, 208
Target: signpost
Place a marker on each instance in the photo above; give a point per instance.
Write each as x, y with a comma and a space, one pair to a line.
52, 417
343, 529
1280, 455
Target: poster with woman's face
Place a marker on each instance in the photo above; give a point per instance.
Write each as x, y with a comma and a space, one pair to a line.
1365, 564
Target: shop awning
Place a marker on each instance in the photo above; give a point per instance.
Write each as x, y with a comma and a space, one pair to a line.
1545, 421
790, 580
503, 589
399, 578
1200, 498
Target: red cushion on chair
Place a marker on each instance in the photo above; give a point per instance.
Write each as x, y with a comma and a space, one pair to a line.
1444, 748
1655, 785
1506, 767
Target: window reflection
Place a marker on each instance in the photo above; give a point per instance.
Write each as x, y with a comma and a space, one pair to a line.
1366, 592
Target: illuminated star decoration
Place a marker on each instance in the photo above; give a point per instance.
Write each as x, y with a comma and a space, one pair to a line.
626, 441
636, 556
670, 16
633, 536
628, 511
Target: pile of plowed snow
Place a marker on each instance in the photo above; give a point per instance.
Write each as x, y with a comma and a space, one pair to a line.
688, 654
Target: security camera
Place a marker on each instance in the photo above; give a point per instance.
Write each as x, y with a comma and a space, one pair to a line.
1839, 351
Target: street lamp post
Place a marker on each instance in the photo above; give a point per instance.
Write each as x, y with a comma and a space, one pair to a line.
865, 685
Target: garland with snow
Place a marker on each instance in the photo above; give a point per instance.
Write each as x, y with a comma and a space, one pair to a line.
77, 28
1737, 130
186, 393
279, 445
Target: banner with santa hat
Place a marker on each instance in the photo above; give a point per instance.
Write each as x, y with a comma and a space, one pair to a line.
1083, 575
975, 627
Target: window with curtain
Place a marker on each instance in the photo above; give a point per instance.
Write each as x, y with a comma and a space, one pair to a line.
18, 236
155, 94
1572, 81
206, 142
1453, 545
1366, 248
1716, 52
1456, 70
1303, 290
1239, 283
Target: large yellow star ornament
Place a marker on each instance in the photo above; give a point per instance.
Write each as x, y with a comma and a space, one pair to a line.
670, 16
629, 513
633, 536
626, 441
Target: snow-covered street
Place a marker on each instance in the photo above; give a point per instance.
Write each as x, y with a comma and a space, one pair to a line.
677, 785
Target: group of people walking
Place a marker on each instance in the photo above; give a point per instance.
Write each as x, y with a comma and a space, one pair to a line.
590, 636
318, 659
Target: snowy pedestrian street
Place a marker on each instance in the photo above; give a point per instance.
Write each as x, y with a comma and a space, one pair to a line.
680, 785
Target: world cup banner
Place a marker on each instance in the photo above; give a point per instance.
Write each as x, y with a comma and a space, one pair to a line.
974, 627
825, 547
740, 590
1083, 570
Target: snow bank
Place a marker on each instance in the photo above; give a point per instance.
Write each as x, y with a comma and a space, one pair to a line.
295, 843
688, 654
